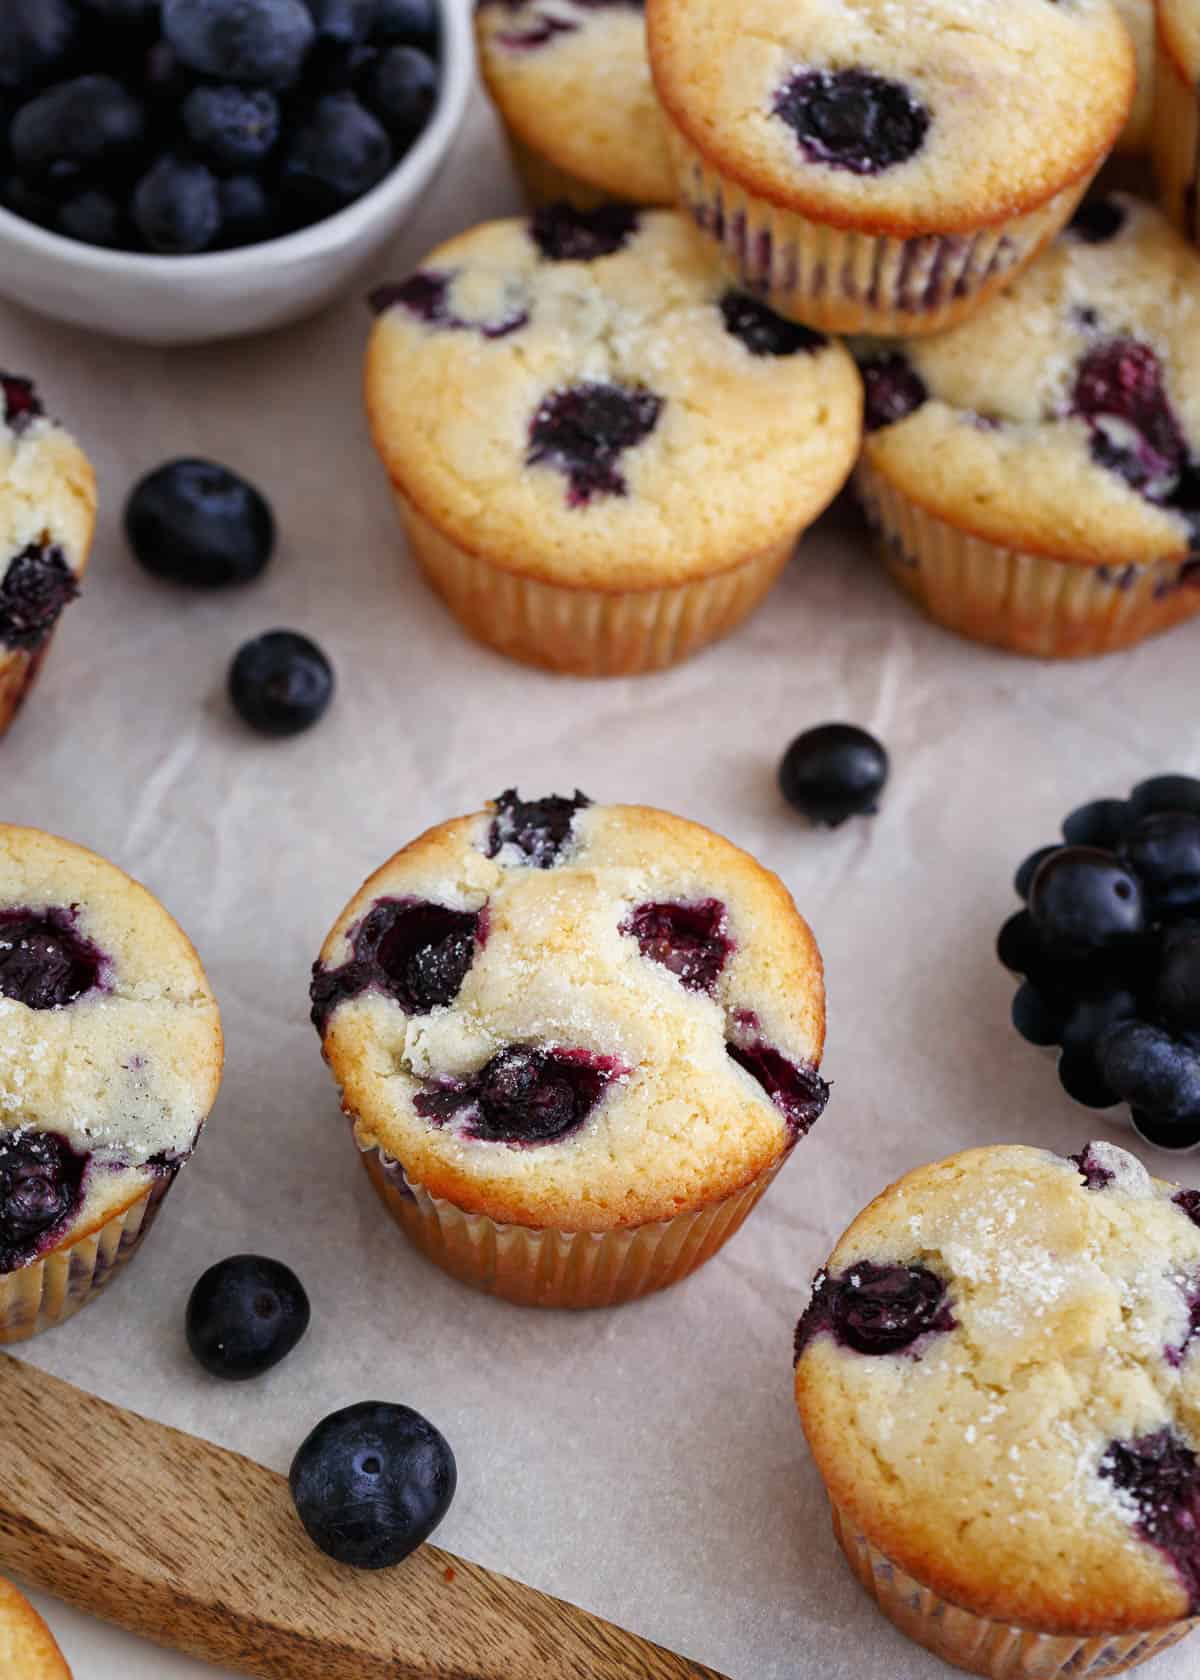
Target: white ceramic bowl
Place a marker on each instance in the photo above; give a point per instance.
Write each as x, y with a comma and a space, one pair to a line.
224, 294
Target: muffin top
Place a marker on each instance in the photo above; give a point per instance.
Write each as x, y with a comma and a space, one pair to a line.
1064, 418
999, 1378
582, 398
1179, 30
47, 511
110, 1042
896, 117
572, 80
27, 1649
576, 1015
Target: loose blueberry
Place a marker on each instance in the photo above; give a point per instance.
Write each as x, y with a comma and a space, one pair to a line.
341, 24
411, 22
762, 331
22, 405
94, 217
334, 156
688, 939
401, 90
834, 772
45, 963
37, 37
125, 13
1165, 793
540, 828
280, 683
1178, 992
248, 213
414, 951
244, 1315
1082, 1080
1083, 899
166, 80
176, 208
1166, 1133
1097, 220
36, 586
259, 42
893, 390
1102, 823
1150, 1070
1160, 1476
564, 233
1164, 850
876, 1310
88, 124
583, 430
1023, 879
371, 1483
41, 1187
853, 119
231, 127
198, 523
1037, 1020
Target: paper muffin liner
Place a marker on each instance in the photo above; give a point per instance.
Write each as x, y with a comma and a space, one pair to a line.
588, 632
1010, 598
1175, 141
52, 1289
979, 1645
18, 673
845, 281
542, 1267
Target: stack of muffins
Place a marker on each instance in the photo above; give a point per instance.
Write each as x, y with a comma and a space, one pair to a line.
606, 427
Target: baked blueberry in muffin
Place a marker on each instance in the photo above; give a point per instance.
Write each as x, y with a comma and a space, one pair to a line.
569, 1035
110, 1056
885, 168
47, 513
571, 83
1036, 470
602, 451
998, 1373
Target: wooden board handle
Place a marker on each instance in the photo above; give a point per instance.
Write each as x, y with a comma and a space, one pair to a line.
200, 1549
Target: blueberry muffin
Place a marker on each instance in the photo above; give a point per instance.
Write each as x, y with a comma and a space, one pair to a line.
1035, 472
27, 1647
571, 82
999, 1377
576, 1043
1176, 122
110, 1057
885, 165
602, 452
47, 513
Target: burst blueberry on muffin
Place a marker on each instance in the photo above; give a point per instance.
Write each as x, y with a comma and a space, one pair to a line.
1035, 472
571, 82
1176, 119
886, 165
47, 513
27, 1647
602, 452
110, 1058
576, 1043
999, 1377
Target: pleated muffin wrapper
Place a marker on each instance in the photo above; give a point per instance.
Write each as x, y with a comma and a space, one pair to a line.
55, 1286
979, 1645
1175, 139
1011, 598
543, 1267
588, 632
847, 281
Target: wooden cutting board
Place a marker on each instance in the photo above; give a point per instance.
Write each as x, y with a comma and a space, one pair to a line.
200, 1549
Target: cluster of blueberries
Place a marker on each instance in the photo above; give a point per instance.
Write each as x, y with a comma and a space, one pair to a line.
372, 1481
1109, 948
178, 126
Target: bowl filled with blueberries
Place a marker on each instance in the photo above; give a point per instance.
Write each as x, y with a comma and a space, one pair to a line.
176, 171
